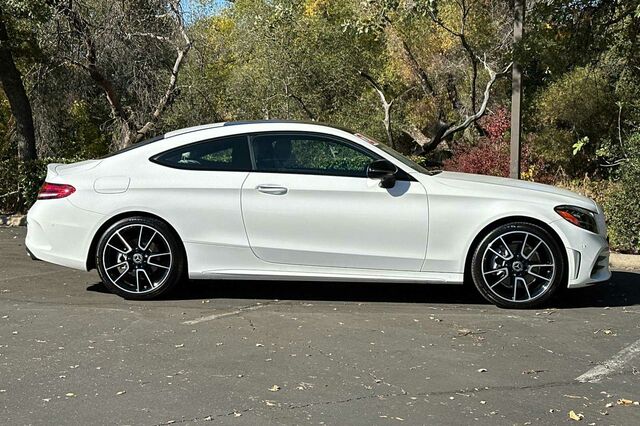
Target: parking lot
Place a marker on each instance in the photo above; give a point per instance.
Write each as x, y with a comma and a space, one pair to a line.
317, 353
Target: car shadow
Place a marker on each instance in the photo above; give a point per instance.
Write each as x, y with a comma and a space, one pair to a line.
318, 291
622, 290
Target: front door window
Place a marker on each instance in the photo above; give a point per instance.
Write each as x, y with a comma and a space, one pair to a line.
309, 154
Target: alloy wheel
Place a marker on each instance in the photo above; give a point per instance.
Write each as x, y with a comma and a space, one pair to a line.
137, 258
518, 267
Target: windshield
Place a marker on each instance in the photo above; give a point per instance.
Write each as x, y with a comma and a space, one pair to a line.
395, 154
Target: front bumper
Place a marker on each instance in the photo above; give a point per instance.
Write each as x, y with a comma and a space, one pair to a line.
587, 255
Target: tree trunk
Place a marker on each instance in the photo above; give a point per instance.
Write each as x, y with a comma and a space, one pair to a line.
11, 81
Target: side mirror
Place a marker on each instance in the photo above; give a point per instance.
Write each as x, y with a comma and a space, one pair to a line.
383, 170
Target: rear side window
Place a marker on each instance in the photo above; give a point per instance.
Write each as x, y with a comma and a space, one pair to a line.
228, 154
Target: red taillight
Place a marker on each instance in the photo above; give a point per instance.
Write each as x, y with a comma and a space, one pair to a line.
55, 190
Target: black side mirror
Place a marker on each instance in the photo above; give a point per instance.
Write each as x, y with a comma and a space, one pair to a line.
383, 170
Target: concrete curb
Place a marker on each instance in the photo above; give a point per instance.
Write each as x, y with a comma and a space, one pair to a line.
624, 261
13, 220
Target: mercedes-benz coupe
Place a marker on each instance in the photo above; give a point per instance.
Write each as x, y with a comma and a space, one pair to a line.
299, 201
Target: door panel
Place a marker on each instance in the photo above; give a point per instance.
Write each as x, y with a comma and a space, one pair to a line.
335, 221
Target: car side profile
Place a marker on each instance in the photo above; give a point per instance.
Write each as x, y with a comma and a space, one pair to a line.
299, 201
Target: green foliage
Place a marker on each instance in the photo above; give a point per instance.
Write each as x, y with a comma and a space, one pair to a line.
623, 203
574, 116
20, 182
577, 147
5, 116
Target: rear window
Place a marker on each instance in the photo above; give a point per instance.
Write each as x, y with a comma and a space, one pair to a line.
134, 146
225, 154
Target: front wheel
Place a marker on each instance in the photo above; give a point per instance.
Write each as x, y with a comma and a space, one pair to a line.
518, 265
139, 258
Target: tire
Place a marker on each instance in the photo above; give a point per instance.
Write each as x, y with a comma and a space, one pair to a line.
140, 258
518, 265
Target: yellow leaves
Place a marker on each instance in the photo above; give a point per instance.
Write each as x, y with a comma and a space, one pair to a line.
78, 108
316, 7
577, 417
224, 24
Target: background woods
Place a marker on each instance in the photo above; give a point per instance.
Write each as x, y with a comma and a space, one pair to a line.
430, 78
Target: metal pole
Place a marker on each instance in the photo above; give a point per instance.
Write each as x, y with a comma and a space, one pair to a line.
516, 94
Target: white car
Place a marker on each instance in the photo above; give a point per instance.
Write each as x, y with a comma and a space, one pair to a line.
298, 201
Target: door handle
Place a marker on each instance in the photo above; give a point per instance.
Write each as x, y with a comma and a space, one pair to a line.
272, 189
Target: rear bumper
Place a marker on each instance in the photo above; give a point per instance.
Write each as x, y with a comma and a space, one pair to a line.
31, 255
60, 233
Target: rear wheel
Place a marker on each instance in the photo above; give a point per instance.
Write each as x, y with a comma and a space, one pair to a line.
140, 258
518, 265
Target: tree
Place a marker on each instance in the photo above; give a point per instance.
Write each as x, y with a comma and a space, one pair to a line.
124, 47
583, 73
434, 43
386, 105
11, 80
295, 60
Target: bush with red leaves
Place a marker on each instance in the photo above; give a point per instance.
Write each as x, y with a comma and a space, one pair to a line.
490, 156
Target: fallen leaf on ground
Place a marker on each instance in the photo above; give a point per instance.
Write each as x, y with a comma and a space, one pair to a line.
577, 417
533, 371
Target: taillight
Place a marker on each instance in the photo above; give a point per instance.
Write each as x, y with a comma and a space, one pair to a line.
55, 190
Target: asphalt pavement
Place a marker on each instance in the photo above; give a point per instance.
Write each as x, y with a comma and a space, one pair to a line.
249, 352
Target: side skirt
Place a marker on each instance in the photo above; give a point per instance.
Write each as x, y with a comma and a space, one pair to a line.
366, 276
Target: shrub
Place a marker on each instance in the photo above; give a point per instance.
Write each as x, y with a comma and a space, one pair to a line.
579, 107
20, 182
490, 156
622, 206
486, 158
620, 199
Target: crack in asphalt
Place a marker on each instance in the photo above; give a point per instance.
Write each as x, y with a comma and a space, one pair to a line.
235, 312
360, 370
463, 392
206, 418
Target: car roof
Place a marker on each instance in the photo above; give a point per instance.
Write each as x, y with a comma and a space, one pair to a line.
274, 123
178, 137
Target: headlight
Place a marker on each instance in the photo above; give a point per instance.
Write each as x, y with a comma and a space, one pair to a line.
580, 217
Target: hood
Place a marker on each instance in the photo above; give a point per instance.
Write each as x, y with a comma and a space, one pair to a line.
498, 184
